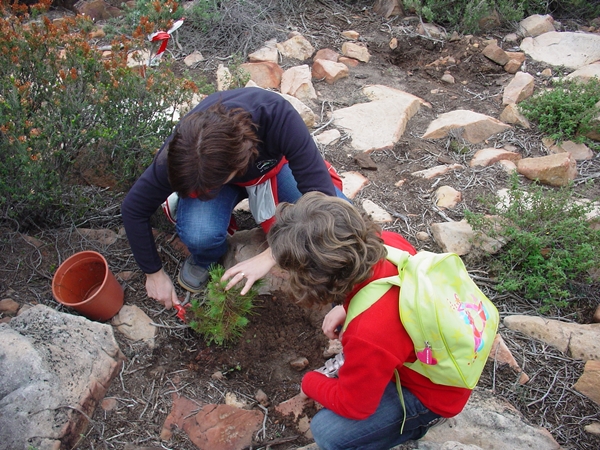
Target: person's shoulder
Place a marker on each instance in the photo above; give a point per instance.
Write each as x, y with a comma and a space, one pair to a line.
397, 241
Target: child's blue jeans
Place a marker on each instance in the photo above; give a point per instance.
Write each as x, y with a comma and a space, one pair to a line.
202, 225
379, 431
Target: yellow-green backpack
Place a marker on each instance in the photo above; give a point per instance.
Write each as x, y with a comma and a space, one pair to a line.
451, 322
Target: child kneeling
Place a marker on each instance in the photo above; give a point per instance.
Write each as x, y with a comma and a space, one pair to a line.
331, 251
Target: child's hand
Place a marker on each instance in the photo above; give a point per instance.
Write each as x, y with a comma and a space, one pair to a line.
334, 319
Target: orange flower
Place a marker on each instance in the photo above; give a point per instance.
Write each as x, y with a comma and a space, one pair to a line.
73, 73
62, 74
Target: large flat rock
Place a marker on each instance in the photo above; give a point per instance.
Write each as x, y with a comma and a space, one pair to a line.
54, 368
572, 50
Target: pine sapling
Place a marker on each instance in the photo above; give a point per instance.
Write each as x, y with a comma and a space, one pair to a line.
222, 315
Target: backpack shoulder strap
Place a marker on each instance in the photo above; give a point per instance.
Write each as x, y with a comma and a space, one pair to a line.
373, 291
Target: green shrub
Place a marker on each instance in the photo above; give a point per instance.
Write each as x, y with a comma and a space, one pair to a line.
466, 14
222, 315
66, 109
550, 245
565, 110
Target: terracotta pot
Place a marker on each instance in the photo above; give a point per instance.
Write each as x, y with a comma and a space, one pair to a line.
85, 283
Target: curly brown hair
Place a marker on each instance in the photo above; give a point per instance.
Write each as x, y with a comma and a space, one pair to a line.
208, 147
326, 245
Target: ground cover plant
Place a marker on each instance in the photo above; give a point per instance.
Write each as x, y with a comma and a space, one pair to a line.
549, 244
567, 110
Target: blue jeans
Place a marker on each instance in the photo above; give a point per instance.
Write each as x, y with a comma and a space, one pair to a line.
202, 224
378, 431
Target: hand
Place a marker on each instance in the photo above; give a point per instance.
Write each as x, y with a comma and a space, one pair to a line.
334, 319
160, 288
252, 269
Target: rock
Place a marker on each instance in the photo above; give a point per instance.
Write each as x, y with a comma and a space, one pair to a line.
585, 73
496, 54
353, 182
511, 114
297, 47
447, 197
334, 347
519, 88
294, 405
223, 427
328, 54
297, 82
330, 71
578, 341
135, 324
502, 355
475, 127
447, 78
593, 428
348, 62
351, 34
364, 161
489, 156
193, 58
97, 9
422, 236
436, 171
535, 25
572, 50
589, 382
490, 422
430, 30
380, 123
9, 306
224, 78
376, 212
459, 238
328, 137
580, 152
55, 369
268, 52
388, 8
356, 51
555, 170
299, 364
307, 114
262, 398
265, 74
232, 400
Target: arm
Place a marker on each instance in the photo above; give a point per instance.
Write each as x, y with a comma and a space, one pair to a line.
141, 202
333, 319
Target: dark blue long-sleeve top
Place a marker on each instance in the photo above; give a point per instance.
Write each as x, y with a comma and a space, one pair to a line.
281, 132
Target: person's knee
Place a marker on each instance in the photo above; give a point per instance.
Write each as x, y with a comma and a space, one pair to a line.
202, 238
321, 429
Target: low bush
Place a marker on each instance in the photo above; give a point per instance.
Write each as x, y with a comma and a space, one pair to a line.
467, 14
550, 245
68, 110
566, 110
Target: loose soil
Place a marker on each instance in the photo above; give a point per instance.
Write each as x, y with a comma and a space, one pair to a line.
280, 330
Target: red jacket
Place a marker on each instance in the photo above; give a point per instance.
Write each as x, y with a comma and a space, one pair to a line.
375, 343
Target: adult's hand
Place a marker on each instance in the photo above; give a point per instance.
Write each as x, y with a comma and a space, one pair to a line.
160, 287
251, 269
334, 319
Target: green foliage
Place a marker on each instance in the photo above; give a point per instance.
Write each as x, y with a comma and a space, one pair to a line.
222, 316
550, 245
66, 109
466, 14
565, 110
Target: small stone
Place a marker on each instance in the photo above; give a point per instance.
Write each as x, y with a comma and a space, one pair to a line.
9, 306
423, 236
109, 404
299, 363
364, 161
218, 375
262, 398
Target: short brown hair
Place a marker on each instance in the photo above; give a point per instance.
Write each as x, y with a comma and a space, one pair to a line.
207, 147
326, 245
